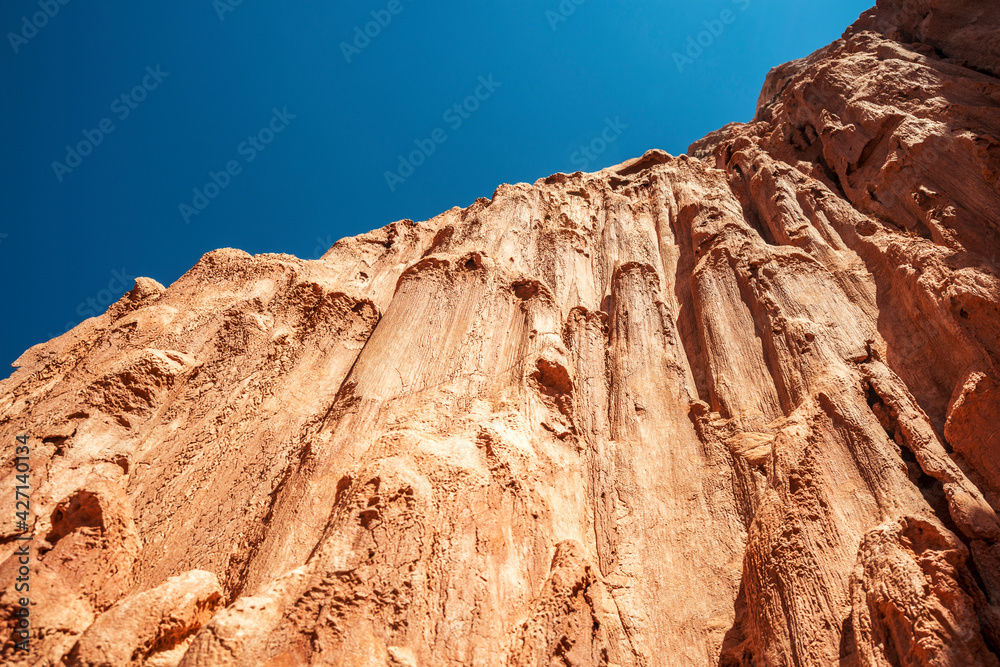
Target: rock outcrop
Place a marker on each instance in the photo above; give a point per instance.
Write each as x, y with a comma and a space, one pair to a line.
737, 407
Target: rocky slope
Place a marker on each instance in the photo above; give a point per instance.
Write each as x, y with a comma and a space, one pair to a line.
739, 407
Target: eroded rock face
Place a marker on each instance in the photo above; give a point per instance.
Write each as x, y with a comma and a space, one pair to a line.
732, 408
912, 604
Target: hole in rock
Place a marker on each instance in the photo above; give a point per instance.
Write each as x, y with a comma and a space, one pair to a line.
553, 378
122, 462
343, 485
525, 290
81, 510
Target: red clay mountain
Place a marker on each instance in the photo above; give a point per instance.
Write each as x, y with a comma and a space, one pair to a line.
737, 407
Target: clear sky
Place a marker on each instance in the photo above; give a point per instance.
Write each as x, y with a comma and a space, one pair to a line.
289, 120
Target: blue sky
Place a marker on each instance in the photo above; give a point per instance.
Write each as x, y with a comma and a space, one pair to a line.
272, 127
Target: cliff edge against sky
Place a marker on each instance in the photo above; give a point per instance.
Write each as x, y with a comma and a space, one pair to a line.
737, 407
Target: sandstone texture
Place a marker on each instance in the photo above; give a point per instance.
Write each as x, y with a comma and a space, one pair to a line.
738, 407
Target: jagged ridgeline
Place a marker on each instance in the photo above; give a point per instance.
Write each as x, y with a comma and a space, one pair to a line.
738, 407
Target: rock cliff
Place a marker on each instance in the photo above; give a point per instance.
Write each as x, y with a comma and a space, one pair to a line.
737, 407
